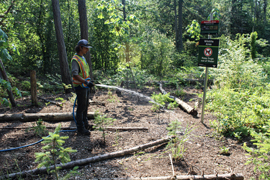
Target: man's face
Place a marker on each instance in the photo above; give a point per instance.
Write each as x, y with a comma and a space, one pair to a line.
84, 50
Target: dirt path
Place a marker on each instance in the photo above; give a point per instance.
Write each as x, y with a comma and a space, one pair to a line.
202, 149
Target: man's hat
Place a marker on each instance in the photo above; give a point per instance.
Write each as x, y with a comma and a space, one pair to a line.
84, 43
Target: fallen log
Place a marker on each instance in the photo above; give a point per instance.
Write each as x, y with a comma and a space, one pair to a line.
183, 104
187, 177
51, 117
73, 128
81, 162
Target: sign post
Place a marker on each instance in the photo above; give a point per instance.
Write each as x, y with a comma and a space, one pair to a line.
208, 52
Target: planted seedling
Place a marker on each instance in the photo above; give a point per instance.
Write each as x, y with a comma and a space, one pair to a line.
176, 144
101, 121
54, 152
40, 128
224, 151
159, 101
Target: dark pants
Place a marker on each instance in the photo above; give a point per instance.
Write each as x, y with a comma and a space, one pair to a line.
82, 106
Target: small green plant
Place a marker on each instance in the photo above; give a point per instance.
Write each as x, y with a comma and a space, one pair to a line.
26, 85
54, 152
159, 101
179, 92
112, 98
101, 121
260, 156
61, 99
176, 145
172, 105
40, 129
224, 150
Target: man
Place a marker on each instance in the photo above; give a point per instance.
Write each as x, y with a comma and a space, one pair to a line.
80, 73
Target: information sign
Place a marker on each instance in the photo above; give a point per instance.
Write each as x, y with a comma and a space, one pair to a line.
208, 52
209, 27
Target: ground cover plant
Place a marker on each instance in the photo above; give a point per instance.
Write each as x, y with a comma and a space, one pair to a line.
240, 100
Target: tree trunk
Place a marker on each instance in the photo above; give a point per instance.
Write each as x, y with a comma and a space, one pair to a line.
265, 11
84, 31
4, 75
124, 9
176, 25
180, 24
33, 88
65, 74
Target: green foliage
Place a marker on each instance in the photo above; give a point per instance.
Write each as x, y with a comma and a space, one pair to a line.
26, 86
172, 105
61, 99
124, 72
224, 150
179, 92
176, 144
260, 156
101, 121
54, 152
159, 100
157, 53
253, 37
239, 97
194, 30
112, 98
40, 128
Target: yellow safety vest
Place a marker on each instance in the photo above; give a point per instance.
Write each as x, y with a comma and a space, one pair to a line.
84, 73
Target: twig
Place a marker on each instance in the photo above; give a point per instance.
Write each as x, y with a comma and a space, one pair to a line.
172, 164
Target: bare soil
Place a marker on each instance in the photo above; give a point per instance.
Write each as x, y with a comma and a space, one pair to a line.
202, 148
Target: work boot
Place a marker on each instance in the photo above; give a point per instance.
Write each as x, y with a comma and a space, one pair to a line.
82, 131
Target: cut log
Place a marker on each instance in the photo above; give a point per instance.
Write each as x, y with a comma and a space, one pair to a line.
72, 128
81, 162
183, 104
53, 102
51, 117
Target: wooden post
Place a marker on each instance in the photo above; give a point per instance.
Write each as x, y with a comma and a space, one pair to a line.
33, 88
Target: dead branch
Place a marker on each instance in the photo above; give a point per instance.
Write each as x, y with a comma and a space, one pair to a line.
97, 103
50, 117
126, 128
183, 104
82, 162
53, 102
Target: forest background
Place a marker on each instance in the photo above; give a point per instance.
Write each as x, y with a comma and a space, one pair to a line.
158, 39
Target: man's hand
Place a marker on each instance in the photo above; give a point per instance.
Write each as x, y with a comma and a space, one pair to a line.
89, 84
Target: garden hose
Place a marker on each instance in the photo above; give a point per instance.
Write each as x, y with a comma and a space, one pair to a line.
11, 149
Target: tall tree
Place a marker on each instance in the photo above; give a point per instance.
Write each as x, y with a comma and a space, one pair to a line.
180, 24
126, 42
84, 31
65, 74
